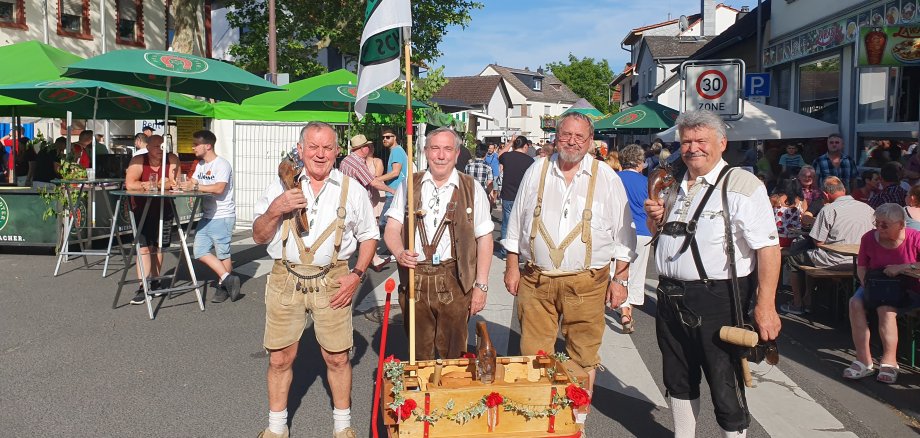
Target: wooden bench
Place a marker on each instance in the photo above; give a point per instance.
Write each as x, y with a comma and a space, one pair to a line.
841, 276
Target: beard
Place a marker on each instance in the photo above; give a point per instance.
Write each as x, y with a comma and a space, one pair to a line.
570, 157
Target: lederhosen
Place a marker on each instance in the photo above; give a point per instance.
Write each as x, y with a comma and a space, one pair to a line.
689, 317
312, 278
442, 300
577, 297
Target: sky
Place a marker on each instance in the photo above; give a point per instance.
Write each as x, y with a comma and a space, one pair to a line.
533, 33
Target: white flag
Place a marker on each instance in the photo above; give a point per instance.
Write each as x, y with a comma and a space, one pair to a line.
378, 64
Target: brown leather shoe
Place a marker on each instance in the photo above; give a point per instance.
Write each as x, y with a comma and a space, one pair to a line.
269, 434
347, 432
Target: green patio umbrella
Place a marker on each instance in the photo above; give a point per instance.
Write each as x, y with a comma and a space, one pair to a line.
96, 99
646, 116
33, 61
341, 97
172, 72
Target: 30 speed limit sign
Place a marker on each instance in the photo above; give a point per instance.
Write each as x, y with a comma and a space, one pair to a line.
714, 86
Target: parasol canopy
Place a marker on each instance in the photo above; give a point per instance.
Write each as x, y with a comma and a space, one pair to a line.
341, 97
649, 115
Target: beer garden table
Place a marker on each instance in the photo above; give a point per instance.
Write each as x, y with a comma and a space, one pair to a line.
76, 219
184, 256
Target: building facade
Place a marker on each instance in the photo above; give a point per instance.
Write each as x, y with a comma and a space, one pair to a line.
811, 51
535, 95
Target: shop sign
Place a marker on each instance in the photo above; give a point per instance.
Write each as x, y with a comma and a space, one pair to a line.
714, 85
893, 46
840, 32
185, 127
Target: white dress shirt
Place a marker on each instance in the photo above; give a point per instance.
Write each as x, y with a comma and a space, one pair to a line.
322, 207
434, 213
613, 234
752, 221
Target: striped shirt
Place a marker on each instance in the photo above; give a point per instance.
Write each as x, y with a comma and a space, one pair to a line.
355, 167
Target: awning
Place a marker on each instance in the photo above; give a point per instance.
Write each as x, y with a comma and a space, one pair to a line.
765, 122
481, 115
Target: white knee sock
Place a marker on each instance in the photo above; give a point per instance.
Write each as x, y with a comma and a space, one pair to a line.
277, 421
684, 413
223, 277
341, 419
727, 434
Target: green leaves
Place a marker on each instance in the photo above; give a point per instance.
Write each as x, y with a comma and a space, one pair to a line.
306, 27
587, 78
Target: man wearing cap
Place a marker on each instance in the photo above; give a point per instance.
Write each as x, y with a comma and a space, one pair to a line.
451, 268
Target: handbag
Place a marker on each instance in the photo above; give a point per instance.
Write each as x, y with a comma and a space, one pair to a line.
882, 290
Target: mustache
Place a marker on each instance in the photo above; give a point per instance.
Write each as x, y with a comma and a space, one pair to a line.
693, 154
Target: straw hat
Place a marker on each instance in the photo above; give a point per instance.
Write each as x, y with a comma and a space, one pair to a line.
359, 141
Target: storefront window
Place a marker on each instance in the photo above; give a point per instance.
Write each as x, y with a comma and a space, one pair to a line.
908, 98
819, 89
872, 101
782, 93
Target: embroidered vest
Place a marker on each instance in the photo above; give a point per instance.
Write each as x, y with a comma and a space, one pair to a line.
460, 229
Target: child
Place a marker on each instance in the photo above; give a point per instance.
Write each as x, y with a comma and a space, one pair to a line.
791, 161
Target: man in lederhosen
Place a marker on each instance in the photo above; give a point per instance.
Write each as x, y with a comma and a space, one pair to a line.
311, 274
453, 248
572, 228
695, 297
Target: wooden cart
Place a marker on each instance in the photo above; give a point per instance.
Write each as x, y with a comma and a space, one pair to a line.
532, 391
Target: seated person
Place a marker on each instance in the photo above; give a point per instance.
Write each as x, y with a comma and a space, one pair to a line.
48, 164
791, 161
788, 206
25, 163
138, 177
811, 192
871, 184
912, 209
891, 186
894, 248
842, 220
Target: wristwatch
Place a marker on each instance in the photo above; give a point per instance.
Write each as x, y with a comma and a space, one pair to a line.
482, 286
622, 282
360, 273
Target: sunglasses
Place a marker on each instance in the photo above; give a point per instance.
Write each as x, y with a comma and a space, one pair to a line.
389, 136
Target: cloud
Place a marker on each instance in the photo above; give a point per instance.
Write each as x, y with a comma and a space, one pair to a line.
534, 33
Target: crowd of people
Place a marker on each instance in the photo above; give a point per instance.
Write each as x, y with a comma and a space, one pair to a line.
578, 227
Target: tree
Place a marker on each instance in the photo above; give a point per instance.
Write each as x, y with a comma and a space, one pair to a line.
587, 78
305, 27
189, 37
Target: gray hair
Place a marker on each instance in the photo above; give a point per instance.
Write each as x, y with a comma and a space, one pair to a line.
458, 141
318, 125
832, 184
890, 212
807, 167
577, 116
701, 119
632, 156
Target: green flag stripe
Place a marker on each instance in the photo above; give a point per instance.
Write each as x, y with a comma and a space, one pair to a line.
371, 7
381, 48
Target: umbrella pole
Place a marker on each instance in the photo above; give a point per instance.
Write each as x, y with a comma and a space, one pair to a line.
164, 170
410, 198
92, 204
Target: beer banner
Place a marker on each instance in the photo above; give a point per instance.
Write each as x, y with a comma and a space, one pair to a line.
888, 46
378, 63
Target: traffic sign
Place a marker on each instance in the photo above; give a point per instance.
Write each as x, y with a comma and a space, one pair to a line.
713, 85
757, 84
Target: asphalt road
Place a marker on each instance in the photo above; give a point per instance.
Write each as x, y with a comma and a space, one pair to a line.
72, 365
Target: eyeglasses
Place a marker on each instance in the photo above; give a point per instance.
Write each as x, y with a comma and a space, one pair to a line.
389, 136
566, 136
882, 225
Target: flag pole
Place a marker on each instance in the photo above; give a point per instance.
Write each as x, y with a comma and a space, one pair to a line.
410, 186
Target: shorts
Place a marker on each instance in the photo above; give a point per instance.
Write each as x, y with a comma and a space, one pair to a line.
286, 309
913, 300
579, 298
214, 233
149, 232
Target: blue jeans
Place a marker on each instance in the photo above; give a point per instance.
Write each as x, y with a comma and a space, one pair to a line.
506, 216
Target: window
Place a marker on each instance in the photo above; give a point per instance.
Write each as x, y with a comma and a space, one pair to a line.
537, 84
819, 89
871, 100
781, 95
908, 107
546, 109
73, 19
13, 14
129, 17
520, 111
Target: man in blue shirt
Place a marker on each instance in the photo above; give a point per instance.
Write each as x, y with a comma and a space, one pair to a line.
396, 167
836, 163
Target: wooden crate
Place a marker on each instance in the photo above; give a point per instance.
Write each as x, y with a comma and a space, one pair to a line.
521, 380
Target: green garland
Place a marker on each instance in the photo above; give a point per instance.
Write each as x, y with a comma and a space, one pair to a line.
393, 370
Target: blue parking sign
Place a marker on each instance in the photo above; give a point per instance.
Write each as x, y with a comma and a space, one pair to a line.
757, 84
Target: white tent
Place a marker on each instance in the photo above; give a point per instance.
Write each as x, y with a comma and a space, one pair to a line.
765, 122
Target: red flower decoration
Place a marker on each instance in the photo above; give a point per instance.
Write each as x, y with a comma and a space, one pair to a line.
541, 353
494, 399
578, 396
405, 409
469, 355
390, 358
